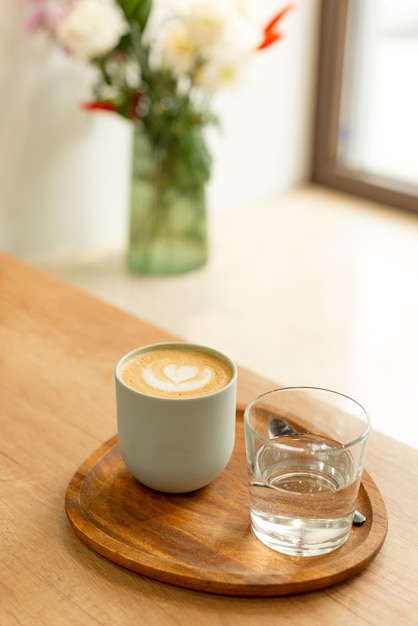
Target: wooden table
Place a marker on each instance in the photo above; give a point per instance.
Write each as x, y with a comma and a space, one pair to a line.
58, 350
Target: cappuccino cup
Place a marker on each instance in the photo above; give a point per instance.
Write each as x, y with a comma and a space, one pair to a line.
176, 407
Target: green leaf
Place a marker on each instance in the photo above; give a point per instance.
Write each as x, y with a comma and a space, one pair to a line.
136, 11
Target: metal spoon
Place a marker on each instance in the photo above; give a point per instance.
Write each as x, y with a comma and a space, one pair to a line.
278, 427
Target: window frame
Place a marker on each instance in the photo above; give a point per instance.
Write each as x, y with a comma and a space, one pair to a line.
326, 170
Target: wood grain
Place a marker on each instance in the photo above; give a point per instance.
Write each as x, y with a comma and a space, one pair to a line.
58, 348
197, 542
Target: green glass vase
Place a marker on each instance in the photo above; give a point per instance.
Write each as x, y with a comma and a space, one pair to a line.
167, 226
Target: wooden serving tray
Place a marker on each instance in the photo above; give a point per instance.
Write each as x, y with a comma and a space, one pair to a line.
203, 540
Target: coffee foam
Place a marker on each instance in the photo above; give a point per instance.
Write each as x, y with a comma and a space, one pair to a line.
176, 373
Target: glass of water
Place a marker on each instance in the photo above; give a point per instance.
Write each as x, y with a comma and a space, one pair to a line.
305, 452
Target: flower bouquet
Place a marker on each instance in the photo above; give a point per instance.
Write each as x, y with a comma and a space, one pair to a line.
159, 63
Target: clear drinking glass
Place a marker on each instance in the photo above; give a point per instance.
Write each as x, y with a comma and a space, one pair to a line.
304, 485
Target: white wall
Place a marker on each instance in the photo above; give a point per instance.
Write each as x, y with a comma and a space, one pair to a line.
64, 173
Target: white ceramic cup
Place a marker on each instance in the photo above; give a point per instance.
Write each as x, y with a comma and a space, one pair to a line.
176, 444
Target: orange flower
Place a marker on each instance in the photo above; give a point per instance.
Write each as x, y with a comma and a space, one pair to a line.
270, 34
98, 106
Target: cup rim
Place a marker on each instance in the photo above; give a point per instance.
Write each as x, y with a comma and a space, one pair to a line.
187, 345
338, 446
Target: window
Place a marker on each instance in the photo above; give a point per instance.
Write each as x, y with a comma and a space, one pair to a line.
366, 130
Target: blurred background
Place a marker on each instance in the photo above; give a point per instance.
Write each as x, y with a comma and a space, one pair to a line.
65, 173
307, 282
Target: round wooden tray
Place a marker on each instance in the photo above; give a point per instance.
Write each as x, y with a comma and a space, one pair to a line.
203, 540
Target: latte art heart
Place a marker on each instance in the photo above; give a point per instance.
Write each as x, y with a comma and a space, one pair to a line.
174, 377
176, 373
179, 373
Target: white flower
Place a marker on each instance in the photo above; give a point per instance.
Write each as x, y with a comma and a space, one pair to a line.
216, 24
174, 48
221, 71
207, 22
91, 28
207, 41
